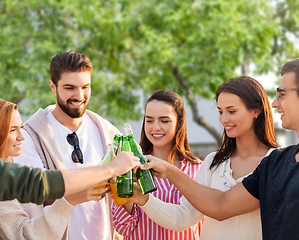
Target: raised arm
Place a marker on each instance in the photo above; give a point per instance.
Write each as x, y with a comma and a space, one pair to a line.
29, 184
176, 217
79, 179
211, 202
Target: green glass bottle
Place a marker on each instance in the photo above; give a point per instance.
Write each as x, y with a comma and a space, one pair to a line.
110, 154
144, 177
111, 150
125, 181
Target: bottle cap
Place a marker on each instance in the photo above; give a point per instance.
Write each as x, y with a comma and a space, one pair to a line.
128, 129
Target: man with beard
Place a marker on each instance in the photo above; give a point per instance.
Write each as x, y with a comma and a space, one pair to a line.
67, 136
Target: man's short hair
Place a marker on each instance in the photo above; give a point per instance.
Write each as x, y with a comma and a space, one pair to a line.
68, 62
291, 66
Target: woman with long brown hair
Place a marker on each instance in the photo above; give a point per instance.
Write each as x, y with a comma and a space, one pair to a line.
30, 221
164, 135
245, 113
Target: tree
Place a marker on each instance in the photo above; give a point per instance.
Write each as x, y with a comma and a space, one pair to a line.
190, 47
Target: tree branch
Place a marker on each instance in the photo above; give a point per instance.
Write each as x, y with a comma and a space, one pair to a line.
18, 100
192, 101
280, 12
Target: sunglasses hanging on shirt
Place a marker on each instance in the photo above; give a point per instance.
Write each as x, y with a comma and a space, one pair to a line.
73, 140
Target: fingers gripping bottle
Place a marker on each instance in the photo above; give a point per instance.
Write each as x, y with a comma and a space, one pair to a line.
111, 152
145, 178
125, 181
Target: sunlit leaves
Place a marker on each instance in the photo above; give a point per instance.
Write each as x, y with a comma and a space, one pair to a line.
132, 45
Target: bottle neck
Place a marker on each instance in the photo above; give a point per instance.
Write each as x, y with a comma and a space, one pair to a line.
125, 145
134, 146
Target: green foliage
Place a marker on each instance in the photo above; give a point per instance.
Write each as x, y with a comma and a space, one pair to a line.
132, 45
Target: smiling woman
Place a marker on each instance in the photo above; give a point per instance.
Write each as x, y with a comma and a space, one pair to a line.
160, 127
248, 136
28, 221
164, 135
15, 137
6, 109
34, 221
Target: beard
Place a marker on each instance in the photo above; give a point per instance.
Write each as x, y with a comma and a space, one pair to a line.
68, 109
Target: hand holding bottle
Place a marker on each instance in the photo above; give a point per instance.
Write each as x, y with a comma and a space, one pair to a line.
138, 197
117, 161
126, 161
86, 195
123, 162
159, 167
117, 200
145, 178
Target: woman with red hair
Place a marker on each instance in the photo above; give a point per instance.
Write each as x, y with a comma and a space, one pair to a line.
28, 221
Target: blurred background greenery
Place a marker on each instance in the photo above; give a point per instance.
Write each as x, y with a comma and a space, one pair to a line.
190, 47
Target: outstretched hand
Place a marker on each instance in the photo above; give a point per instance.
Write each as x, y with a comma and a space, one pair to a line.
95, 193
158, 166
123, 162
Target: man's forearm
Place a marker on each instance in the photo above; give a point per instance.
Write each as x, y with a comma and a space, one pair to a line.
77, 180
29, 184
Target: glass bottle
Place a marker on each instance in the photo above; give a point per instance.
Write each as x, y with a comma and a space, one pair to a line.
144, 177
110, 154
113, 181
111, 150
125, 181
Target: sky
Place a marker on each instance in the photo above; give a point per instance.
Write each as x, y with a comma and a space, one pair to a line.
269, 82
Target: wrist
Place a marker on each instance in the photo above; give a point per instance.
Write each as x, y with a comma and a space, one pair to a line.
171, 174
109, 170
143, 200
